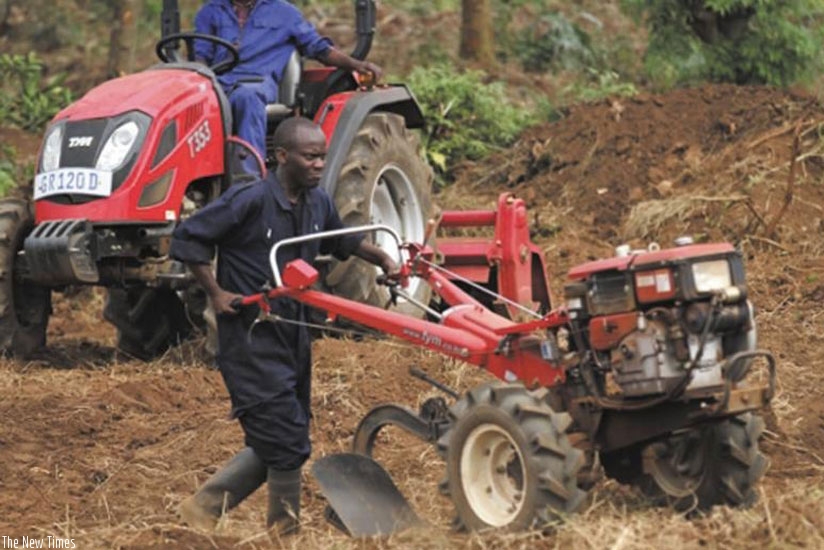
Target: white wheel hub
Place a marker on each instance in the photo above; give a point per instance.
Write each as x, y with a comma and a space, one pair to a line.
493, 475
396, 204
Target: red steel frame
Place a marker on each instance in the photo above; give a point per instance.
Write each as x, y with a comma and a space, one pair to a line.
467, 330
519, 263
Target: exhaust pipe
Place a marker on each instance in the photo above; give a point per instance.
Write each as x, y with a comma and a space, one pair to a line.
169, 25
365, 15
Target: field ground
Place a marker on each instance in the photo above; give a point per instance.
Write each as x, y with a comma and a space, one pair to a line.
100, 448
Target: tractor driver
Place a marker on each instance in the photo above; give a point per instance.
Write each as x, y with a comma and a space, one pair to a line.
267, 371
266, 33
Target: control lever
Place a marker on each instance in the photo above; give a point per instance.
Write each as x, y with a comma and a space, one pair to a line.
392, 284
261, 300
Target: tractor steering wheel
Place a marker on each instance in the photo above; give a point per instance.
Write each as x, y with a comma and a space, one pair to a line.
189, 38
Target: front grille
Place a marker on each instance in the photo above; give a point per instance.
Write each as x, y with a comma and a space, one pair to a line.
611, 292
191, 117
82, 143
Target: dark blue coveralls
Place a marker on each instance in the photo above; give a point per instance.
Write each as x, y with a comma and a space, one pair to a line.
269, 376
272, 32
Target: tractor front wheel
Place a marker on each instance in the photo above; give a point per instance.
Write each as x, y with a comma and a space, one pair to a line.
24, 307
148, 320
384, 180
702, 467
509, 460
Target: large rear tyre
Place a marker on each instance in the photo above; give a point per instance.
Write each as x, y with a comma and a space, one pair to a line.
383, 181
24, 307
509, 461
148, 320
717, 464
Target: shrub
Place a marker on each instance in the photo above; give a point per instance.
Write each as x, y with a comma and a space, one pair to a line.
26, 100
7, 181
598, 85
466, 117
552, 41
12, 172
775, 42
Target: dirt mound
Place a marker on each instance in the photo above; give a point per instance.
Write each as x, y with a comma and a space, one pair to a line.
712, 143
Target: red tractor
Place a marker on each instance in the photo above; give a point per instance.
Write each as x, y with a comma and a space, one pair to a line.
122, 166
648, 372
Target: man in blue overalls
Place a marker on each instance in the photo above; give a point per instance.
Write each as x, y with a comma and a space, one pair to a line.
266, 33
268, 371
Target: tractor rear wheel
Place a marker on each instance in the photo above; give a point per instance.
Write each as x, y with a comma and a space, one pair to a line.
699, 468
384, 180
24, 307
148, 320
509, 460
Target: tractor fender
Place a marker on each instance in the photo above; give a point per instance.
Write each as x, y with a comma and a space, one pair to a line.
342, 115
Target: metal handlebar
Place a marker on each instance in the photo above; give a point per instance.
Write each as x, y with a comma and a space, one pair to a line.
273, 255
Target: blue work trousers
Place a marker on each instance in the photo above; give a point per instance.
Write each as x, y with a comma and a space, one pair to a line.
248, 100
267, 370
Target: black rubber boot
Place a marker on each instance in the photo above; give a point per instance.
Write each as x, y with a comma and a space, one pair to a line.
284, 501
227, 488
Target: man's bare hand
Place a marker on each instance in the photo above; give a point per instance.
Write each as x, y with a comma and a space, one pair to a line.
222, 302
390, 267
369, 67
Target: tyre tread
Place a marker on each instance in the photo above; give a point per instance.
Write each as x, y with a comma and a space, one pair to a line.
549, 453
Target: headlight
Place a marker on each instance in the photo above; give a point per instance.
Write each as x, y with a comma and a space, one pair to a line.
118, 146
51, 149
711, 276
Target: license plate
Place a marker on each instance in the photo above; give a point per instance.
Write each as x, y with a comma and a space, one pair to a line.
81, 181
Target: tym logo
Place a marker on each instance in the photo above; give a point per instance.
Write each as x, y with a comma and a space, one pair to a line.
84, 141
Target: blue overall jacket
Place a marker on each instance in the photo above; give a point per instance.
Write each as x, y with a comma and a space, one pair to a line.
272, 32
267, 371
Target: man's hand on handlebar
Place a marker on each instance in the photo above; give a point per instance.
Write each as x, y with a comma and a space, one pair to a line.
390, 268
225, 303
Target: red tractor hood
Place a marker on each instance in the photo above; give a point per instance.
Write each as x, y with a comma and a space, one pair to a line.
641, 258
149, 91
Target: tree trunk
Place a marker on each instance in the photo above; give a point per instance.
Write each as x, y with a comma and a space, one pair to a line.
121, 37
5, 11
477, 36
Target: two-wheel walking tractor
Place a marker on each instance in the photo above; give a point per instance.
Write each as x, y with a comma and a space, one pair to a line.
648, 373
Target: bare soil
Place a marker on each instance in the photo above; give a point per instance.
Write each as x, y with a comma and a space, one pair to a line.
100, 448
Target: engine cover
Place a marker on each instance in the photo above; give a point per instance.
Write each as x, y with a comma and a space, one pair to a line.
644, 363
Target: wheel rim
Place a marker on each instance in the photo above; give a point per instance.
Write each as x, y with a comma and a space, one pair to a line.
493, 475
677, 465
395, 203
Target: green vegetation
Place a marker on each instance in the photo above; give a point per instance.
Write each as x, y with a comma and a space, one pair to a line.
27, 100
551, 41
466, 116
7, 181
12, 172
599, 85
774, 42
